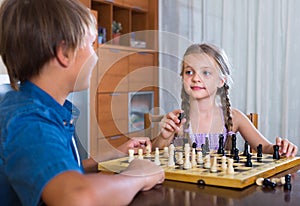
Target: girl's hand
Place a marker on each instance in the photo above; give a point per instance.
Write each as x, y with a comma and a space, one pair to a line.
170, 124
286, 147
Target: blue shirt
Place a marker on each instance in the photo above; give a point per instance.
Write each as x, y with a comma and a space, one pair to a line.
36, 143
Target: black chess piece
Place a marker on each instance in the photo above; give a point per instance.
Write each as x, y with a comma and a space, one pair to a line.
269, 184
276, 152
246, 149
236, 157
259, 153
259, 150
287, 185
205, 147
221, 144
248, 162
233, 143
180, 117
194, 145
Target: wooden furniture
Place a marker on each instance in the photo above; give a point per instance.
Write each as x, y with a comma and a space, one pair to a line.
125, 68
151, 124
178, 193
253, 118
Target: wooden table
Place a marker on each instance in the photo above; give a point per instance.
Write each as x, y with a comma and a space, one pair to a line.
188, 194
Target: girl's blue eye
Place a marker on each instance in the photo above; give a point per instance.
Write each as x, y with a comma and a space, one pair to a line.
189, 72
206, 73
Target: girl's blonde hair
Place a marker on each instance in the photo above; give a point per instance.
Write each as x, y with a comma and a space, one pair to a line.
224, 66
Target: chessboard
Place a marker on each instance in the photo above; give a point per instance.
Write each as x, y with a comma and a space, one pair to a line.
242, 176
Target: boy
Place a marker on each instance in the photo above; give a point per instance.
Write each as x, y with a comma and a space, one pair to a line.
46, 46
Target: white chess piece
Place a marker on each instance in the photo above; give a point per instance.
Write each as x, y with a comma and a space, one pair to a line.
172, 147
200, 158
193, 158
171, 162
166, 152
230, 169
187, 163
156, 157
223, 163
213, 167
207, 162
148, 151
179, 158
140, 154
131, 155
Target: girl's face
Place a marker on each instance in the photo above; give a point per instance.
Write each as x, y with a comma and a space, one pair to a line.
201, 77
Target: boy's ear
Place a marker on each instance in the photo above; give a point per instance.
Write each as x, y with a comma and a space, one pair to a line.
62, 55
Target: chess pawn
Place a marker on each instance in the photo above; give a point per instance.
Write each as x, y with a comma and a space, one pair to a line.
140, 154
248, 161
166, 152
156, 157
131, 155
200, 158
148, 151
179, 158
230, 169
223, 163
207, 162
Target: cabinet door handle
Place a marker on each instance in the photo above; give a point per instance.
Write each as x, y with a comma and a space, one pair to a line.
114, 94
143, 53
114, 50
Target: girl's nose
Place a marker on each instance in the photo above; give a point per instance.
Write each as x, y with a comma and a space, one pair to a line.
196, 77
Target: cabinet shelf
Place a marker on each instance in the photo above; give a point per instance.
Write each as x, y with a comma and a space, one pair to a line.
133, 16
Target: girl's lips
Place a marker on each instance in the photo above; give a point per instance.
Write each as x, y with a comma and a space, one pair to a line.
197, 88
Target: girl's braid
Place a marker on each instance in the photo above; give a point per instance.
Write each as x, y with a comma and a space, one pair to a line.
225, 101
185, 105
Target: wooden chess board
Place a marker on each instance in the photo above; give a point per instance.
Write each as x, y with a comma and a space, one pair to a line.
243, 176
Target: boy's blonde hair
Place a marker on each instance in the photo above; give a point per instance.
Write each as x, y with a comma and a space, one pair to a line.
32, 30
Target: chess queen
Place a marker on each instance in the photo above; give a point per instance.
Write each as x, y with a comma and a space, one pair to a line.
206, 106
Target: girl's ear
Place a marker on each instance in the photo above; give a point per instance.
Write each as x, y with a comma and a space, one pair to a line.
222, 82
62, 55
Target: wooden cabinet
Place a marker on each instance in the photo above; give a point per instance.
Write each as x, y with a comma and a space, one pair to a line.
125, 67
122, 72
134, 16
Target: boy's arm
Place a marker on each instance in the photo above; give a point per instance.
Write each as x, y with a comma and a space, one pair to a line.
73, 188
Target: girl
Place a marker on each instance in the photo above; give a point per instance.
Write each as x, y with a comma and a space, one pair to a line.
206, 105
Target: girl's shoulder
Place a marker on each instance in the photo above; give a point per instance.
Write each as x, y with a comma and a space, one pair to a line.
236, 112
238, 118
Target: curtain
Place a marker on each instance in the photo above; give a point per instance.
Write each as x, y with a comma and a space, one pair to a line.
261, 38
